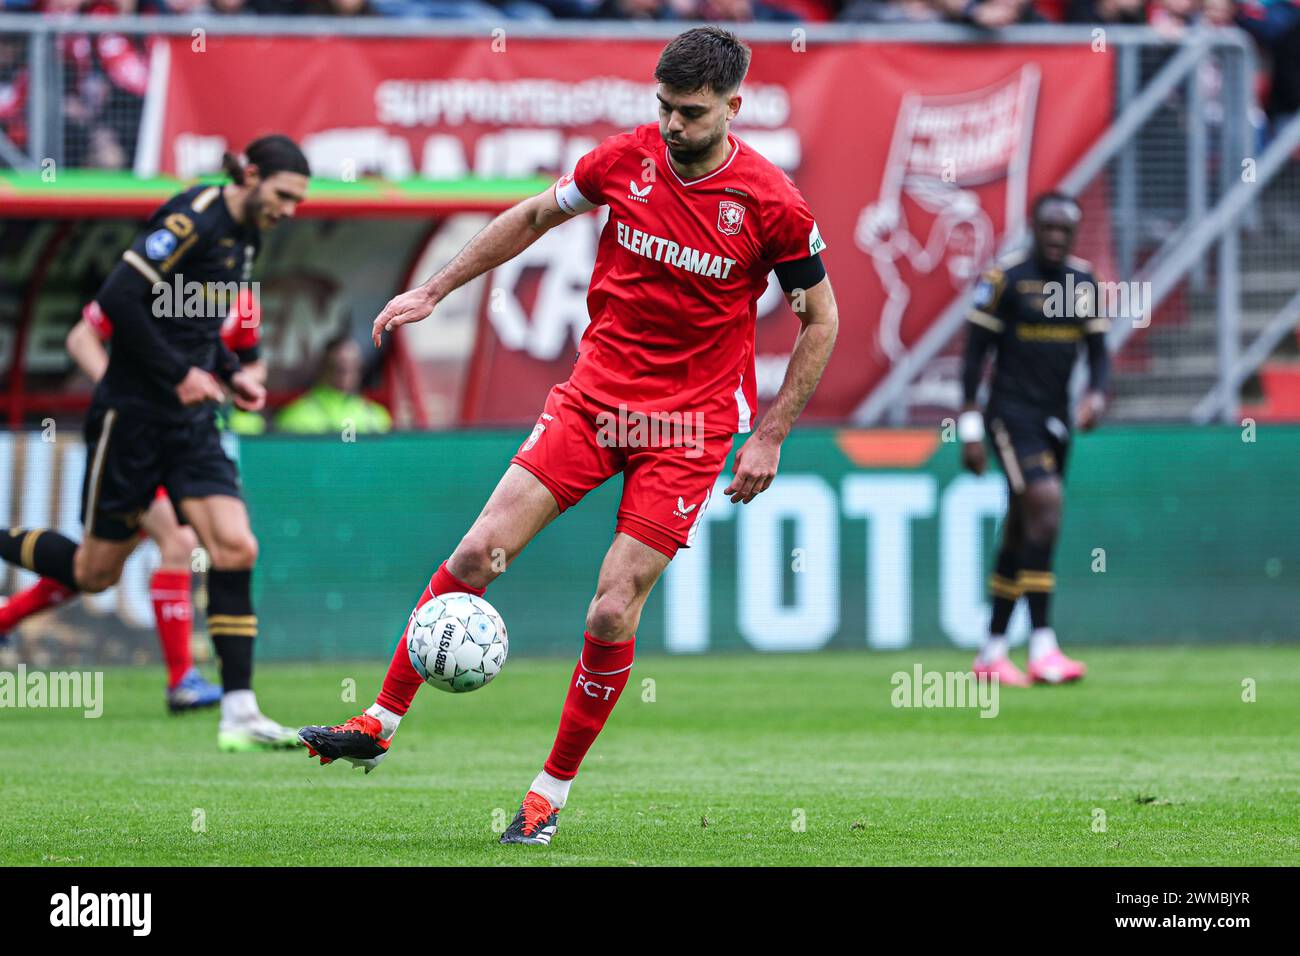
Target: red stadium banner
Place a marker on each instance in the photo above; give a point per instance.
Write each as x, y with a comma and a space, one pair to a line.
916, 160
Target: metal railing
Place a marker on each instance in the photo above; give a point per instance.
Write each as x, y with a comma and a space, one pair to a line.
1183, 172
1117, 147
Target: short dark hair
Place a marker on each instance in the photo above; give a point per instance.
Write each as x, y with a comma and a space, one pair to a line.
270, 154
703, 57
1043, 199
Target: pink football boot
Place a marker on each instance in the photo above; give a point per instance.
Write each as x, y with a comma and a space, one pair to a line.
1007, 673
1055, 668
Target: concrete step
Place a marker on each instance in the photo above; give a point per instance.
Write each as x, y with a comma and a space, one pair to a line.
1172, 367
1182, 359
1201, 332
1152, 407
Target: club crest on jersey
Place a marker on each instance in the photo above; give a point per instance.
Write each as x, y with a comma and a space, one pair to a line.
538, 429
160, 245
730, 216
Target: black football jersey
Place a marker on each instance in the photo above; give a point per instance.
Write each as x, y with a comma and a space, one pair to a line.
167, 300
1040, 317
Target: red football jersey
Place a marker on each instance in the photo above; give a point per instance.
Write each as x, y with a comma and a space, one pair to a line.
241, 331
679, 270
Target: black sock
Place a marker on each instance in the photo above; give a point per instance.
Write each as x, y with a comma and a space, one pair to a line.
48, 553
1004, 589
1039, 605
233, 626
1037, 581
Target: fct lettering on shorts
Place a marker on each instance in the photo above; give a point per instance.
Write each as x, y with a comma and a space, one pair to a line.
659, 249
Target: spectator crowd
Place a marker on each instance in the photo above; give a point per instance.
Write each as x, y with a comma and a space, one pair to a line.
1263, 18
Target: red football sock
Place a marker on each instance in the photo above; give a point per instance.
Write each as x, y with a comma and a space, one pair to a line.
173, 611
602, 673
45, 593
401, 682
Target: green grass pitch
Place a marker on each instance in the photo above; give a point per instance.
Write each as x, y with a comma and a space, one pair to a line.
770, 760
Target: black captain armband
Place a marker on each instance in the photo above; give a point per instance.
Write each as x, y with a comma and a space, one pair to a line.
800, 273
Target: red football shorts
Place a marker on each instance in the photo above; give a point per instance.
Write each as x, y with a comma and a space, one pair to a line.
668, 463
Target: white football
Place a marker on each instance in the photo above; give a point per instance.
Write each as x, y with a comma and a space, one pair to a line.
457, 642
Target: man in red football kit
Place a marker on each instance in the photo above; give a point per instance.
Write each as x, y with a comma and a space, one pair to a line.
697, 222
169, 587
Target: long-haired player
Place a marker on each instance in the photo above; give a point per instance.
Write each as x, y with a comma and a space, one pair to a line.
170, 584
152, 421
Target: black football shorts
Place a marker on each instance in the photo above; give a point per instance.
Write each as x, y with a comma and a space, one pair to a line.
129, 457
1029, 445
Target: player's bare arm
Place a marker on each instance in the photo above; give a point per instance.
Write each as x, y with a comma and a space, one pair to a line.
256, 371
248, 391
198, 387
757, 460
974, 458
500, 241
1093, 404
125, 296
87, 350
981, 338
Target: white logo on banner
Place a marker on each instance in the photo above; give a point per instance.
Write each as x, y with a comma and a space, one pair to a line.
943, 149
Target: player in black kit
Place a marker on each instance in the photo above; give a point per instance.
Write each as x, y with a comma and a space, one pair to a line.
152, 422
1033, 311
